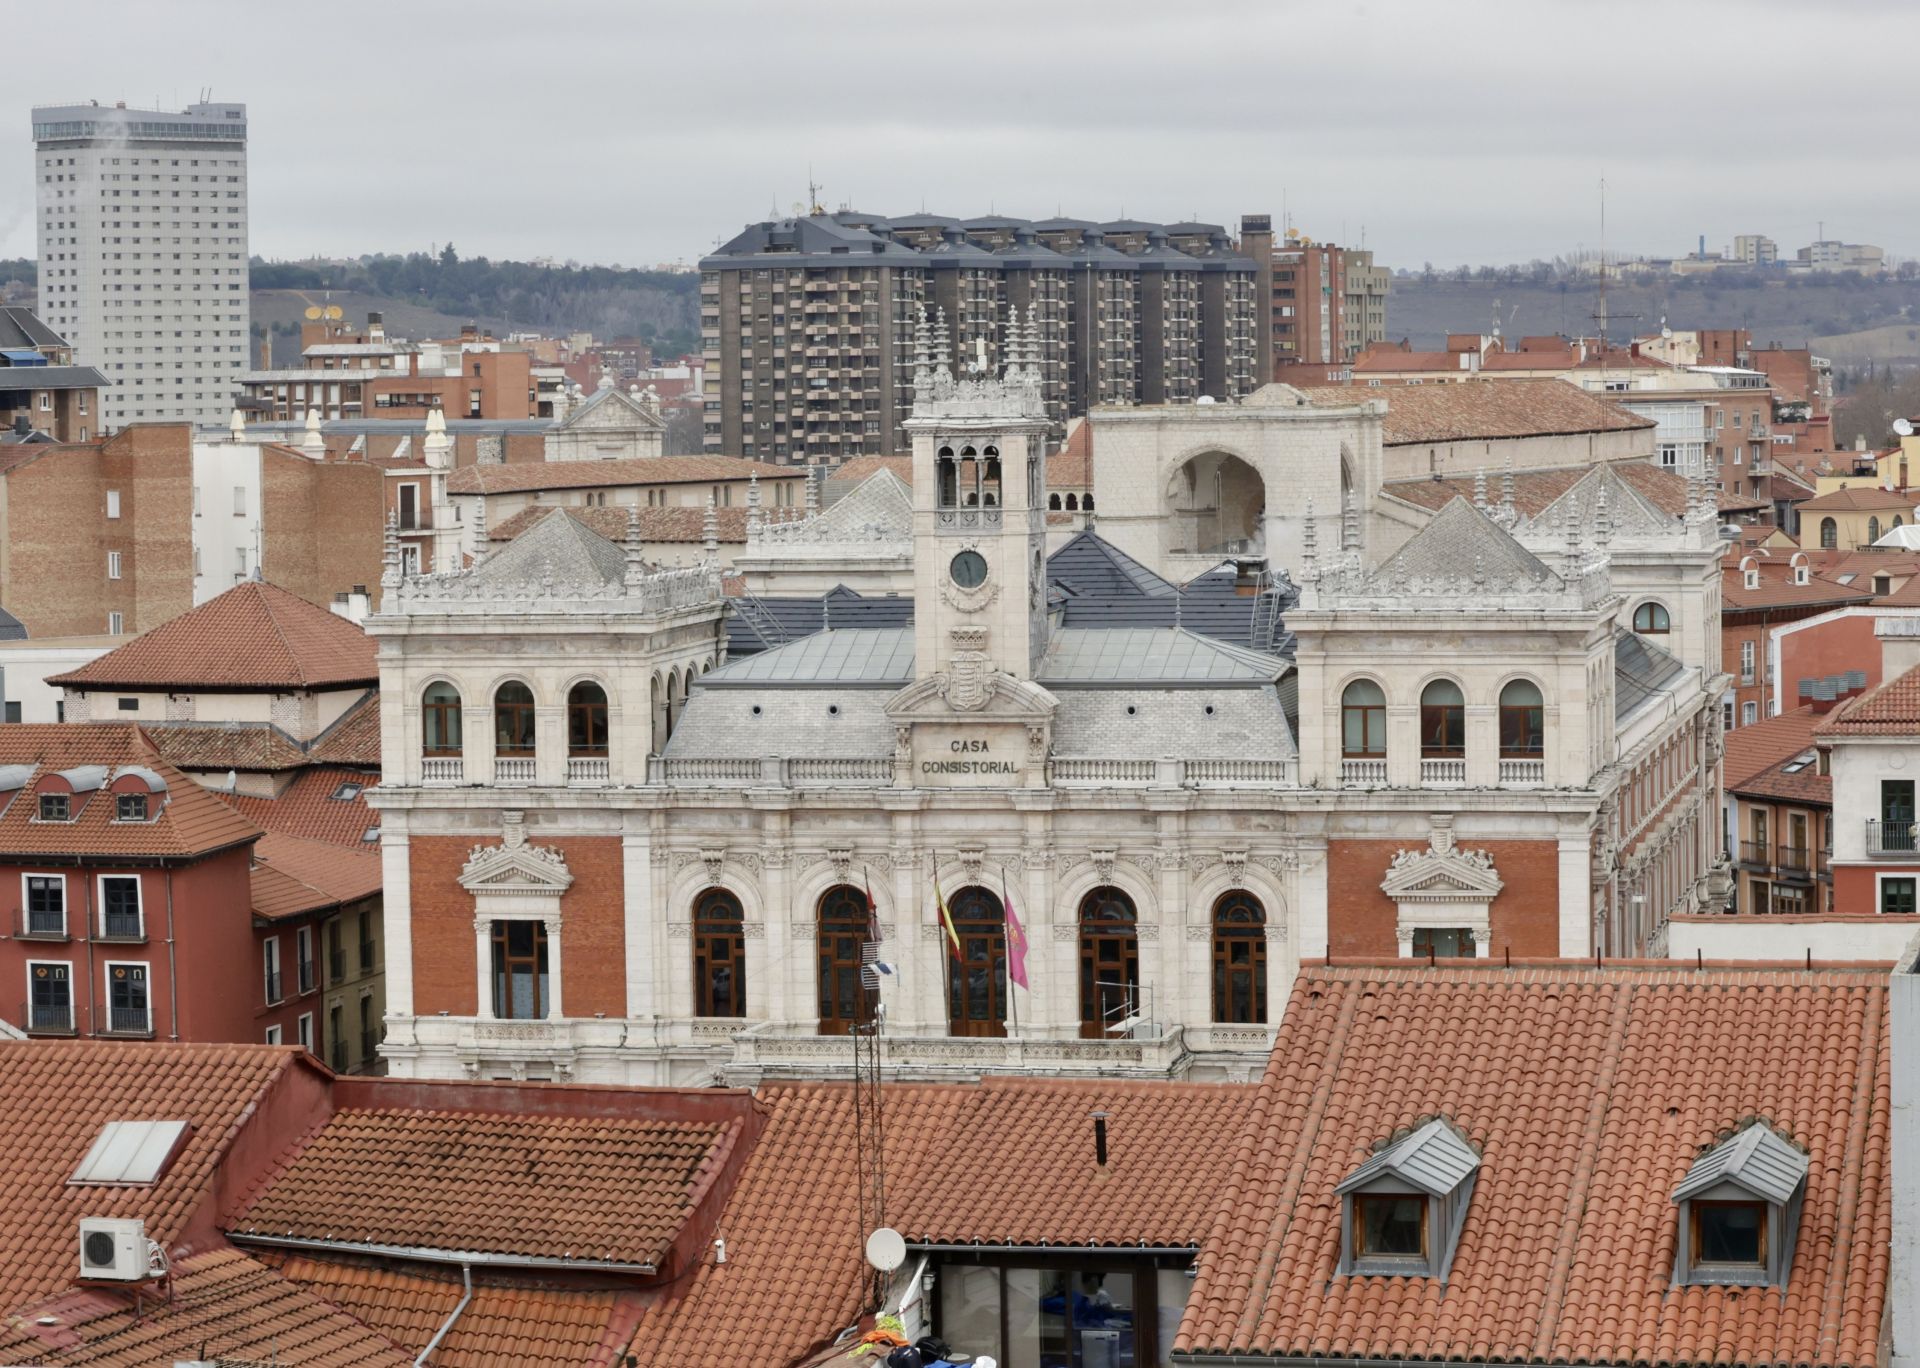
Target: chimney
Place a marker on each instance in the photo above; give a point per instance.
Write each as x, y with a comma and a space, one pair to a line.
1100, 1138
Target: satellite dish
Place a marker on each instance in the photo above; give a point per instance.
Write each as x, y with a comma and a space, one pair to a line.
886, 1250
313, 311
1666, 332
1903, 427
335, 311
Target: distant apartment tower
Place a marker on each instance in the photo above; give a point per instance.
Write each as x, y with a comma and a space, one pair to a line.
1329, 302
807, 323
142, 233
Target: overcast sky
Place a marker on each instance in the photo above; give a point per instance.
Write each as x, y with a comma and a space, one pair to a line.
1445, 130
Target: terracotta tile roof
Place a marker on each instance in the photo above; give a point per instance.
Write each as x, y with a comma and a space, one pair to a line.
185, 819
511, 1321
71, 1089
1475, 409
1757, 745
853, 471
1736, 502
254, 636
611, 1190
1392, 360
308, 808
1890, 708
522, 476
1776, 783
353, 738
1777, 589
1589, 1093
292, 876
1071, 467
1003, 1162
225, 1306
656, 524
252, 746
1858, 498
1535, 490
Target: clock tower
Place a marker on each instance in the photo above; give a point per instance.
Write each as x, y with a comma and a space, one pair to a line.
979, 512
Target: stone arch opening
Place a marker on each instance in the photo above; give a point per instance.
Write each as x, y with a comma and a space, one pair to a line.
1215, 503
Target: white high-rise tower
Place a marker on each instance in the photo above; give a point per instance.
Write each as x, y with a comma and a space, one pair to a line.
142, 232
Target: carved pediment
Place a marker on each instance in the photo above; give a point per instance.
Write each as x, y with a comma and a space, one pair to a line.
513, 866
1006, 699
1442, 872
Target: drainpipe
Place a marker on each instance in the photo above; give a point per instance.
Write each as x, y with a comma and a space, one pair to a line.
173, 957
94, 985
466, 1295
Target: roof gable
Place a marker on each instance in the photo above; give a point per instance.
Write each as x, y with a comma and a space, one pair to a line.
1086, 564
1463, 544
1433, 1157
1756, 1158
561, 552
612, 409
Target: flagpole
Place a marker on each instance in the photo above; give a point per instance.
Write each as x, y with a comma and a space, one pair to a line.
1013, 997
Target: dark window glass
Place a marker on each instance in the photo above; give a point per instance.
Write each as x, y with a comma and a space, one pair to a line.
1729, 1232
120, 906
513, 720
1109, 961
1897, 896
520, 970
842, 930
1443, 942
440, 713
977, 980
587, 720
1896, 801
1650, 619
130, 807
55, 807
127, 997
50, 1002
1829, 533
46, 904
1389, 1225
1523, 722
1363, 721
1239, 959
719, 955
1443, 720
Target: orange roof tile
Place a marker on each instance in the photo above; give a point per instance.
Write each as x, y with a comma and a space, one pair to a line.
293, 877
254, 636
599, 1189
353, 738
1889, 708
1071, 467
517, 1321
72, 1088
252, 746
1757, 745
1858, 498
1776, 783
1535, 490
225, 1307
522, 476
309, 808
1476, 409
853, 471
1777, 589
687, 524
185, 820
1589, 1092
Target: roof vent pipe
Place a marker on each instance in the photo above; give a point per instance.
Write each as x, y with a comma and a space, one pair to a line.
1100, 1138
466, 1295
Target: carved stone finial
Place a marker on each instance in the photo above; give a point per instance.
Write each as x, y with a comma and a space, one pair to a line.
1506, 491
813, 490
1602, 519
480, 547
1308, 536
710, 532
1480, 489
1349, 522
390, 554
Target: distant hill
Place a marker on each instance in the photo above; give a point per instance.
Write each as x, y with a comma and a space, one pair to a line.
1791, 312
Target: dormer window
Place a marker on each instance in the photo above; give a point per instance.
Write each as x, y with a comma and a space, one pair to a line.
56, 807
130, 807
1739, 1209
1402, 1209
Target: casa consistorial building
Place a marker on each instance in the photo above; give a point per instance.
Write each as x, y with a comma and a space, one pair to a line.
618, 850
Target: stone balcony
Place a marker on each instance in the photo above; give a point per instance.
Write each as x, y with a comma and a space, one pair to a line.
771, 1050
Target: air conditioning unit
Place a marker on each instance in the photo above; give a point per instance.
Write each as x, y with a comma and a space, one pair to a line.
113, 1249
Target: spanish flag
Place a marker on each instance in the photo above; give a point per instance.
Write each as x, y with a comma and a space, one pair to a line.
946, 916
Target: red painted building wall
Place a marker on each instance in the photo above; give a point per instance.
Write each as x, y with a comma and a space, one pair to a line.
1525, 916
1828, 648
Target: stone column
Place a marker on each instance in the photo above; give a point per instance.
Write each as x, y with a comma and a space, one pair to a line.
396, 917
550, 744
645, 931
1576, 906
916, 1002
777, 948
1311, 914
1483, 745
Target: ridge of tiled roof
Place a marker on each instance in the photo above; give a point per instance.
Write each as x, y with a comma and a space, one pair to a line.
71, 1089
222, 1306
1590, 1093
1777, 589
522, 476
254, 746
591, 1188
1776, 783
1485, 409
185, 820
1758, 745
292, 875
254, 636
1889, 708
1858, 498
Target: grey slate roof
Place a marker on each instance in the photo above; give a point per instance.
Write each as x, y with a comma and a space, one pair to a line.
51, 378
21, 327
11, 628
840, 657
1460, 541
1756, 1158
798, 617
1230, 723
1086, 564
833, 723
1640, 670
1136, 657
1435, 1158
564, 550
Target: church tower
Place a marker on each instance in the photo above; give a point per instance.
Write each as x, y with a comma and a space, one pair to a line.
979, 508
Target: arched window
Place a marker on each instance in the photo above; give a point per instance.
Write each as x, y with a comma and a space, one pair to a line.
1650, 619
970, 468
841, 928
1829, 533
1109, 961
1073, 503
1873, 529
1363, 721
1053, 503
1086, 503
1239, 959
440, 719
1523, 721
990, 478
587, 719
946, 474
977, 978
719, 955
513, 719
1443, 721
1895, 522
520, 970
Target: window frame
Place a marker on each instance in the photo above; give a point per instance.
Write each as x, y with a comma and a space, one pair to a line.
983, 951
1370, 715
1358, 1201
1912, 899
841, 911
305, 970
73, 1005
1536, 726
588, 718
144, 978
274, 1035
272, 973
139, 904
303, 1032
124, 804
27, 880
715, 927
525, 715
65, 802
434, 713
1438, 717
502, 961
1659, 622
1108, 924
1225, 936
1697, 1266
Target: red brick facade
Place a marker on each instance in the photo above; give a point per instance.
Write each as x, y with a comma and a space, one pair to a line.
1525, 916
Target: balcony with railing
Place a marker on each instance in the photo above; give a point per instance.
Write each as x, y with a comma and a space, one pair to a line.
47, 1018
1895, 840
1759, 854
40, 925
1363, 773
513, 769
122, 1021
441, 769
1443, 772
306, 975
1523, 773
1800, 862
273, 986
121, 928
589, 771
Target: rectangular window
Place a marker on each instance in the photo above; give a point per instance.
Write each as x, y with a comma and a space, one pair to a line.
113, 565
239, 501
366, 942
120, 917
270, 967
1444, 942
46, 904
1749, 712
114, 624
303, 957
1389, 1225
130, 807
129, 1012
1897, 897
113, 503
409, 507
1746, 660
520, 970
305, 1026
1729, 1233
49, 996
273, 1035
56, 807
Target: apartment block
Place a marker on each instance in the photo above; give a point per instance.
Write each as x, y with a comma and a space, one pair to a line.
1329, 302
142, 234
44, 397
807, 322
346, 375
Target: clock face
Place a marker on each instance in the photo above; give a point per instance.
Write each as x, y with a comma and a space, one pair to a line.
968, 570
